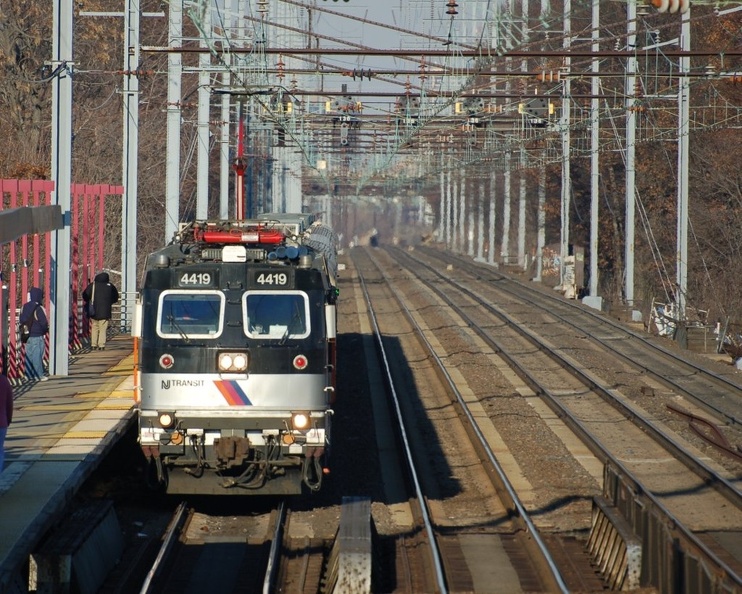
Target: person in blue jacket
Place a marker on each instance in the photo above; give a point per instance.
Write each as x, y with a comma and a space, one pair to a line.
33, 314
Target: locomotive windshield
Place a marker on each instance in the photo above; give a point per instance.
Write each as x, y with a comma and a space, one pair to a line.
190, 314
276, 315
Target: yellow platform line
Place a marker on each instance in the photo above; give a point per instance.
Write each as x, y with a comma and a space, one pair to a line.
104, 394
113, 406
71, 407
85, 435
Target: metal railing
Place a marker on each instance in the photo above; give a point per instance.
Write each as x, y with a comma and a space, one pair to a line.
14, 354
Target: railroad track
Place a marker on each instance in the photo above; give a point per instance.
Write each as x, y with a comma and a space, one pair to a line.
262, 553
700, 506
480, 517
560, 483
715, 393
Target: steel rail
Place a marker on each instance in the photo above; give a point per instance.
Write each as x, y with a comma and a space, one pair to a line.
514, 501
168, 542
275, 550
729, 490
694, 368
436, 556
723, 486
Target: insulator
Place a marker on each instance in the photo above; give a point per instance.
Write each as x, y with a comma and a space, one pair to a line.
661, 5
550, 76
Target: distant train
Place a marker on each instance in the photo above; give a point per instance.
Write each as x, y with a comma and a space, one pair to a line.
236, 335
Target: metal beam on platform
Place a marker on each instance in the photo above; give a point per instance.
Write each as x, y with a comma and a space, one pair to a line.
28, 220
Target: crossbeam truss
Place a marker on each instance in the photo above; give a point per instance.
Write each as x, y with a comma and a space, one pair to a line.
495, 80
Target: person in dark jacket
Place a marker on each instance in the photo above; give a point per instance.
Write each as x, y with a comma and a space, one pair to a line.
33, 315
6, 414
102, 294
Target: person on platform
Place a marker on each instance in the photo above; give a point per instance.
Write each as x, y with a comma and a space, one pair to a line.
101, 294
6, 414
33, 315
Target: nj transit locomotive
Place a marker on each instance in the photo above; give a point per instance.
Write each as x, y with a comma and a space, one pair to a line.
236, 327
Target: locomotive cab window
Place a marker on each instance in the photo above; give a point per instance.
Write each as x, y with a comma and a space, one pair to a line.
277, 315
190, 314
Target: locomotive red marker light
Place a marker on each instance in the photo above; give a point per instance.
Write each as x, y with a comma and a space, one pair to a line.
166, 361
300, 362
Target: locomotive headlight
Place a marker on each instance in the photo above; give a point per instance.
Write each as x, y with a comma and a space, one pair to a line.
232, 362
167, 419
300, 421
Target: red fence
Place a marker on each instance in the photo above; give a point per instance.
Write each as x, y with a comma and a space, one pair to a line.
26, 261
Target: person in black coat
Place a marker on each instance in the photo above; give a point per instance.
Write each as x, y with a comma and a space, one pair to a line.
101, 294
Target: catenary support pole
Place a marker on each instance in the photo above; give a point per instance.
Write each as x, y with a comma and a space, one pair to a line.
174, 115
593, 300
63, 63
631, 67
683, 156
130, 157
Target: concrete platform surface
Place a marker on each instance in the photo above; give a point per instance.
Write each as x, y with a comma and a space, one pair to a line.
61, 431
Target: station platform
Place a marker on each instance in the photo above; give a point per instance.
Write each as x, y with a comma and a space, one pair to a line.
61, 431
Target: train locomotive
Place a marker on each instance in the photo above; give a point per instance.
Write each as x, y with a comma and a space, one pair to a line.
235, 329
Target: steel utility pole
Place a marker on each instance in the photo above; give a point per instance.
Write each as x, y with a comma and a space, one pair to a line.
683, 155
593, 299
62, 175
566, 141
130, 160
631, 104
174, 115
